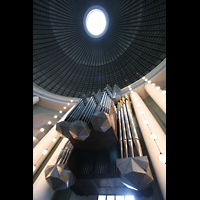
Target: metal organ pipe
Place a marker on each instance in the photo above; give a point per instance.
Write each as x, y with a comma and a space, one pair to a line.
120, 135
89, 109
134, 132
64, 153
74, 114
85, 114
114, 106
127, 126
102, 101
109, 105
84, 110
68, 153
130, 142
124, 134
59, 176
70, 116
105, 102
101, 120
80, 128
93, 106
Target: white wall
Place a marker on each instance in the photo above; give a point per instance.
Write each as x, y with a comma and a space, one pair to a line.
41, 189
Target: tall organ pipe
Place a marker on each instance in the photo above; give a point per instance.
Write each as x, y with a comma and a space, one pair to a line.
124, 134
62, 155
105, 104
81, 103
120, 135
84, 117
90, 110
100, 104
130, 142
68, 153
85, 110
134, 132
93, 106
76, 114
102, 101
109, 104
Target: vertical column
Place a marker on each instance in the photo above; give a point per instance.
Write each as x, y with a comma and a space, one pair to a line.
158, 95
41, 189
35, 99
45, 145
154, 138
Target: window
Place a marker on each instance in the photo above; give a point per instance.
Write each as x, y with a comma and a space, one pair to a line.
116, 197
119, 197
129, 197
110, 197
101, 197
96, 21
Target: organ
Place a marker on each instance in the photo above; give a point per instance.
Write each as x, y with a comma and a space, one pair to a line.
103, 154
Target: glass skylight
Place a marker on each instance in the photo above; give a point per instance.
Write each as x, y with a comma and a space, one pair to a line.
96, 21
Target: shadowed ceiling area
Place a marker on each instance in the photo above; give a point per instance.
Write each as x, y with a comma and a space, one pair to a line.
68, 62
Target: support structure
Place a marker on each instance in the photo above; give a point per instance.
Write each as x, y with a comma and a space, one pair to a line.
154, 138
158, 95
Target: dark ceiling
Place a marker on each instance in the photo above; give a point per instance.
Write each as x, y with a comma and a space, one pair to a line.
68, 62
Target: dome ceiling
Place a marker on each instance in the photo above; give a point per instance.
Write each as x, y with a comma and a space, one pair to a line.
68, 62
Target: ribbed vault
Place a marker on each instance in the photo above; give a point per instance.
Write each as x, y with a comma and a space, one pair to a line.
68, 62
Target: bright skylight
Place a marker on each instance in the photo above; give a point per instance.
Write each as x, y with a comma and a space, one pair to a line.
110, 197
119, 197
96, 22
116, 197
129, 197
102, 197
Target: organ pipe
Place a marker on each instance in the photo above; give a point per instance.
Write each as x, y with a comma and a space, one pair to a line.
59, 176
130, 142
120, 135
127, 129
124, 134
103, 119
133, 129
